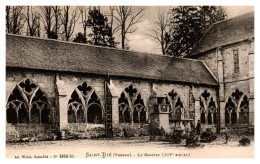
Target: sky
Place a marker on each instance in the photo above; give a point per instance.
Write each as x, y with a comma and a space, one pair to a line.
140, 39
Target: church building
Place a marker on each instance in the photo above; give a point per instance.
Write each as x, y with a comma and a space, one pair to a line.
83, 91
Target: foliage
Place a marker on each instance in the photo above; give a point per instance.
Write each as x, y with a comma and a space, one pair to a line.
188, 24
208, 136
15, 19
154, 129
244, 141
80, 38
101, 31
192, 140
177, 137
50, 18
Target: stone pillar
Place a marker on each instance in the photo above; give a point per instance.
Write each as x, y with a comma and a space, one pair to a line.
251, 82
197, 111
115, 112
63, 102
222, 113
164, 121
221, 88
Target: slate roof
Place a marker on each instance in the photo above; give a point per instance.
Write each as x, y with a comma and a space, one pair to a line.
53, 55
226, 32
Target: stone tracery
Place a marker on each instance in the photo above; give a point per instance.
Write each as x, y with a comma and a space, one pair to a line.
131, 106
84, 106
27, 104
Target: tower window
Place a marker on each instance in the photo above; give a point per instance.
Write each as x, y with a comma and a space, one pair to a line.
236, 61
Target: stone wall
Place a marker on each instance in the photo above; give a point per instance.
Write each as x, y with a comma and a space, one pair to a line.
31, 132
60, 86
46, 81
210, 59
242, 80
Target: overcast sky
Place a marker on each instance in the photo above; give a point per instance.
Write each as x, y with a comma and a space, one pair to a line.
140, 41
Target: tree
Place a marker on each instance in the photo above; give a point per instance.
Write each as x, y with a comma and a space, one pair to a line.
33, 22
15, 19
188, 24
101, 31
126, 17
51, 20
84, 19
57, 22
68, 22
160, 30
46, 18
80, 38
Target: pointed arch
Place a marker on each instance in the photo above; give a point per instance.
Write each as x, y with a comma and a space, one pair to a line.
244, 110
176, 105
131, 106
84, 105
94, 110
237, 108
206, 115
212, 111
28, 103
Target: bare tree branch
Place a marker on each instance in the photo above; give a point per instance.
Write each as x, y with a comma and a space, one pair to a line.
69, 23
160, 30
126, 18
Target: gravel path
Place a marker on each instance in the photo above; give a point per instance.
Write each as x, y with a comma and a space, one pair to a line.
125, 149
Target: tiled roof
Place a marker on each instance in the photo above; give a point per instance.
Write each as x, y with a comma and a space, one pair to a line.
53, 55
226, 32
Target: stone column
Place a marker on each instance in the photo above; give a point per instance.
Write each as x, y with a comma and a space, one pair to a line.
197, 111
63, 102
164, 120
221, 88
251, 82
222, 114
115, 112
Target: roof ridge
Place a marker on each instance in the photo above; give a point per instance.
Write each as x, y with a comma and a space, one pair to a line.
90, 45
214, 24
233, 18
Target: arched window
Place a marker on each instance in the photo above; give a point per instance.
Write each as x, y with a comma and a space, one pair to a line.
124, 111
202, 112
27, 103
139, 114
131, 106
75, 105
236, 113
83, 105
229, 108
244, 111
208, 108
94, 110
177, 105
212, 112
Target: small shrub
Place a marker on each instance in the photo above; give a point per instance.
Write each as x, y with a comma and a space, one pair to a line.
192, 140
244, 141
154, 129
176, 137
208, 136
